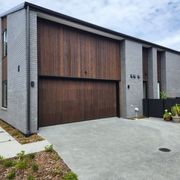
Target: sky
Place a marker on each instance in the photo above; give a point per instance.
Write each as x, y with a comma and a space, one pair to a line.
156, 21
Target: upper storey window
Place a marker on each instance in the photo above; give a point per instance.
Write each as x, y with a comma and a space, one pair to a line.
4, 43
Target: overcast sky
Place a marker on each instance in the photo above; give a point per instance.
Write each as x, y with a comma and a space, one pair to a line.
157, 21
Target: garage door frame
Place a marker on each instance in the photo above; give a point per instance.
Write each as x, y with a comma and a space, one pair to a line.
81, 79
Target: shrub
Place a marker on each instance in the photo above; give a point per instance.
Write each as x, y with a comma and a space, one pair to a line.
1, 159
70, 176
8, 163
21, 164
49, 148
175, 110
35, 167
11, 175
30, 177
21, 155
167, 115
163, 95
31, 156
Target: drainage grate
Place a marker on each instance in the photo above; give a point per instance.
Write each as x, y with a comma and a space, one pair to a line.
164, 149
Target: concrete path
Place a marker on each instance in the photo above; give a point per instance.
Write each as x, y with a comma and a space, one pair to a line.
9, 147
118, 149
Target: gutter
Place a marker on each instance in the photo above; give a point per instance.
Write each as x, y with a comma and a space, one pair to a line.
28, 70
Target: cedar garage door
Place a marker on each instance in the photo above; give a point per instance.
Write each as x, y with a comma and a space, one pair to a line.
64, 101
79, 74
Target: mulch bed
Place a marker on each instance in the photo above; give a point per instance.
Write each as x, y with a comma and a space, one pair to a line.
48, 165
21, 138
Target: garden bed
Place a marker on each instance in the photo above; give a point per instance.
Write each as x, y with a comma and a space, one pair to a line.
42, 165
21, 138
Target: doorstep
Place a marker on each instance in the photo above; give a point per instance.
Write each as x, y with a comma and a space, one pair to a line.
9, 147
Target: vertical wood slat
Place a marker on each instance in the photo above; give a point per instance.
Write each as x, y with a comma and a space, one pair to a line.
145, 64
65, 101
159, 57
69, 52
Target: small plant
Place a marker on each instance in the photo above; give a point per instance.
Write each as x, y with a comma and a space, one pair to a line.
167, 116
31, 156
30, 177
70, 176
8, 163
49, 148
21, 155
35, 167
163, 95
21, 164
11, 175
176, 112
1, 159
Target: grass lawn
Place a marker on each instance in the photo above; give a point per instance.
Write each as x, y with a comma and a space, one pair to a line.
42, 165
21, 138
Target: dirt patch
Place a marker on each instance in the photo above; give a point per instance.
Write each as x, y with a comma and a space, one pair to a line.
21, 138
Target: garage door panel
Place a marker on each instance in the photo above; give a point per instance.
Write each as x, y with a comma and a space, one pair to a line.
64, 101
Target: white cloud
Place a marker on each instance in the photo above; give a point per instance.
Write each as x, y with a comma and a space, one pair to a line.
153, 20
171, 41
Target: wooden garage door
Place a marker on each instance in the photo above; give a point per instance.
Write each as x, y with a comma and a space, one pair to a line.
64, 101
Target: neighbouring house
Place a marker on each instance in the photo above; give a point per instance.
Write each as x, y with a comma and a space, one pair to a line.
57, 69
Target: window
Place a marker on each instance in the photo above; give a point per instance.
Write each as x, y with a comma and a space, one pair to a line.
4, 43
4, 94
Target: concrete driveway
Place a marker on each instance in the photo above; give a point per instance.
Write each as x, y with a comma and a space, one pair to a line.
118, 149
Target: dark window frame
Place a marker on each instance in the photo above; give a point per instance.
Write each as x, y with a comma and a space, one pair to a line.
4, 94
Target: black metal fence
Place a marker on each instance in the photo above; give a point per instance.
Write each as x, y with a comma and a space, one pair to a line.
156, 107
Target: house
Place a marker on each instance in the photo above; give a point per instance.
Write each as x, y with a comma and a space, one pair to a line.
57, 69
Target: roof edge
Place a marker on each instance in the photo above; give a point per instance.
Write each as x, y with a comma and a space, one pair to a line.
72, 19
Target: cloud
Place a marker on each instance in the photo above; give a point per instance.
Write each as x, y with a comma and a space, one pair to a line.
171, 41
154, 20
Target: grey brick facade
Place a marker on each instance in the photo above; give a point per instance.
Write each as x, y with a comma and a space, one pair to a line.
16, 112
33, 72
152, 74
172, 86
131, 64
